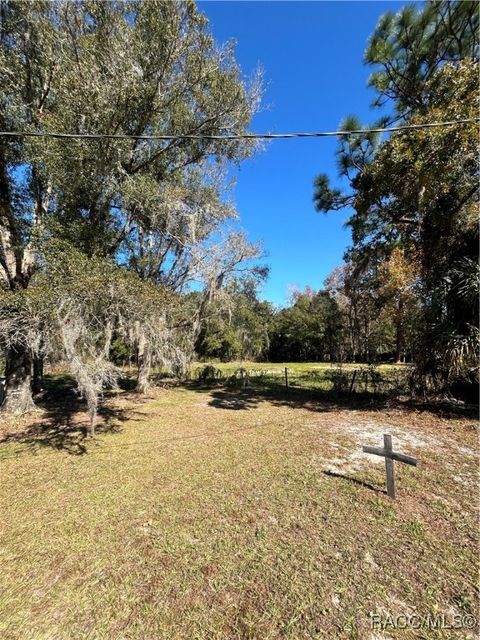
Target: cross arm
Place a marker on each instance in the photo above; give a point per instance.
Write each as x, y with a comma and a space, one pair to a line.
400, 457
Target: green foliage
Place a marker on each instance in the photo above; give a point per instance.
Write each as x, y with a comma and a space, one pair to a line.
417, 192
237, 326
208, 373
120, 68
309, 330
326, 198
407, 48
119, 352
155, 208
427, 184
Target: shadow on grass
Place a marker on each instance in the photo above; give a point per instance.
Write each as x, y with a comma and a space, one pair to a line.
231, 398
320, 400
356, 481
63, 425
240, 400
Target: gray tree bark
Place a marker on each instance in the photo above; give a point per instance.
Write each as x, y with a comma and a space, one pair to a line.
37, 382
18, 373
144, 365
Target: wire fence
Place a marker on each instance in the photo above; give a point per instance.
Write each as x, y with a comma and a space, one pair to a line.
335, 379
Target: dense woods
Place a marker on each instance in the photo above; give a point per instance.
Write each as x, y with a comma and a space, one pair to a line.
118, 251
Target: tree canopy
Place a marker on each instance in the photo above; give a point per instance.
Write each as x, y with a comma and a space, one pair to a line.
415, 195
150, 207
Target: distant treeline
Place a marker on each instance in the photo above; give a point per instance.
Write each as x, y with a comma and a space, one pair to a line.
317, 326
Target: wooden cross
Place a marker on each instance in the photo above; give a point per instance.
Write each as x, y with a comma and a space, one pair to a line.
390, 456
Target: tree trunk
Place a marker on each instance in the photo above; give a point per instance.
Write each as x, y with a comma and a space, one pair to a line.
108, 339
144, 365
37, 383
399, 345
18, 373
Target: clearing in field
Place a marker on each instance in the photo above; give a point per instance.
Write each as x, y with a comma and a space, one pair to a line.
222, 513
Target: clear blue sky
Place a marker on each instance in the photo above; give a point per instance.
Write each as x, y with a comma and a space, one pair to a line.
311, 53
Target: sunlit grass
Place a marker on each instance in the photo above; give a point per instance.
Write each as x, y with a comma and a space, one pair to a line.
392, 379
231, 367
209, 515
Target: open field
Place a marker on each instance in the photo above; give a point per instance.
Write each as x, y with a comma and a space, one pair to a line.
230, 367
221, 513
343, 378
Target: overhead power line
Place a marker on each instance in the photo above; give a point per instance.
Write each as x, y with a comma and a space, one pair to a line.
233, 136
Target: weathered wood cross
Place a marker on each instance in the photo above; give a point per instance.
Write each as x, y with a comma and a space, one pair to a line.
390, 455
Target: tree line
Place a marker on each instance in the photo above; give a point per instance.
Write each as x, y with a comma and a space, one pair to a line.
340, 323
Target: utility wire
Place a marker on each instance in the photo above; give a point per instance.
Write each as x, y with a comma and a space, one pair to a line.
233, 136
27, 446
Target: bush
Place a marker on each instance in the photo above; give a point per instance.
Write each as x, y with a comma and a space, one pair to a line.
208, 373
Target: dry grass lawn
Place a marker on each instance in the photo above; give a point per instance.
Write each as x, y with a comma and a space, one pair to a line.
217, 514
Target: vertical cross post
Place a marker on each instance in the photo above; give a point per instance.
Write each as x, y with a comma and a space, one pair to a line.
286, 378
390, 455
387, 443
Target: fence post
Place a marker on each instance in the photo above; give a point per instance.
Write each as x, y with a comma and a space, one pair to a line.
353, 381
286, 378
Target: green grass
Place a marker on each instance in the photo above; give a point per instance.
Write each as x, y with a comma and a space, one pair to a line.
382, 379
231, 367
208, 514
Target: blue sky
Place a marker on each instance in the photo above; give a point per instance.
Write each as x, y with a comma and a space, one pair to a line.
311, 54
